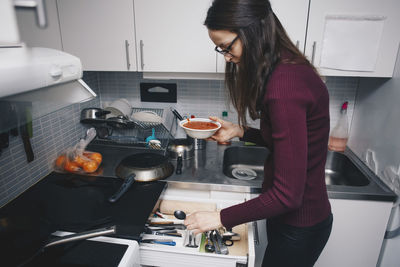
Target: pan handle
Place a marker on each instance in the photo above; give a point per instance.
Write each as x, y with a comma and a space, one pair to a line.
82, 235
124, 187
179, 165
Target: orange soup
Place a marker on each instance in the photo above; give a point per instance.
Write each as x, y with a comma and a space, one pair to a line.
200, 125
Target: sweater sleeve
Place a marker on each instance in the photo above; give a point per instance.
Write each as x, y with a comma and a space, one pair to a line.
253, 135
287, 109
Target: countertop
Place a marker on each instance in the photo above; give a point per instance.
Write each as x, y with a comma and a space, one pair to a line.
205, 172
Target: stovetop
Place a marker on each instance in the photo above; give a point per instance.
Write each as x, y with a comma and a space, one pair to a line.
76, 203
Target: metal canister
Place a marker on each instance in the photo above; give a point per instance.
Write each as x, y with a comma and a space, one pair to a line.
198, 143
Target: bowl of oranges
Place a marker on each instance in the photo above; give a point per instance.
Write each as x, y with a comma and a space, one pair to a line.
81, 163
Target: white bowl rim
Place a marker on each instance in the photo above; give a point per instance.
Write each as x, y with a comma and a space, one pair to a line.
200, 119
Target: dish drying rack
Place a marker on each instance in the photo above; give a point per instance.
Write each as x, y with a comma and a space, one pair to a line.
145, 124
136, 136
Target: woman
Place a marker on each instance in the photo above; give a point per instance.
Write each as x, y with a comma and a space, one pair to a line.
270, 79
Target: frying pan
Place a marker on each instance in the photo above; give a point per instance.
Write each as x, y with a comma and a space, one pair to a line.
93, 115
141, 167
120, 122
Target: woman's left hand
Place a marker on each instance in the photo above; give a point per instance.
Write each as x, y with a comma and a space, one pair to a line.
202, 221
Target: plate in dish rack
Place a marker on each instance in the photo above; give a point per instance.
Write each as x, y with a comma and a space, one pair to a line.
146, 119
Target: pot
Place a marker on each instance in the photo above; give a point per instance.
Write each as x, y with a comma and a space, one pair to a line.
119, 122
93, 115
141, 167
180, 149
104, 132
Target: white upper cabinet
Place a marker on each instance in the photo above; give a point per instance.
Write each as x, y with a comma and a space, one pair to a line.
100, 33
353, 38
171, 36
34, 36
293, 16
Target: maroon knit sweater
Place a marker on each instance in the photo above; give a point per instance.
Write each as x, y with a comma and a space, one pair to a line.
295, 127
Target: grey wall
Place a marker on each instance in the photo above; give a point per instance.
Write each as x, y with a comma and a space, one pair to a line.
376, 126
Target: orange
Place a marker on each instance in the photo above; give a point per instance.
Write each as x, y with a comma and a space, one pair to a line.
90, 166
71, 166
94, 156
80, 160
60, 161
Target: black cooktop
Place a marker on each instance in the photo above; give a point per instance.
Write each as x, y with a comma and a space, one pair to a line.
74, 203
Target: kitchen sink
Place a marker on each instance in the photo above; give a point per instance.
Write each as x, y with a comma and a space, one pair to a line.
339, 170
247, 163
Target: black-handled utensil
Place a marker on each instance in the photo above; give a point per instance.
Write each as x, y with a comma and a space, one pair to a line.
179, 165
180, 215
124, 187
177, 115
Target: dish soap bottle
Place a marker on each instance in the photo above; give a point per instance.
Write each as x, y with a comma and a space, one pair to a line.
340, 133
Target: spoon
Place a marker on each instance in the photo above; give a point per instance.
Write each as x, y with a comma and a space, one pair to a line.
180, 215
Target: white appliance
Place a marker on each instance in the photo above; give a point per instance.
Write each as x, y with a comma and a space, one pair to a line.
131, 257
24, 69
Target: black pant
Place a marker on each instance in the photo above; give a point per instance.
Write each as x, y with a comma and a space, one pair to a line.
295, 246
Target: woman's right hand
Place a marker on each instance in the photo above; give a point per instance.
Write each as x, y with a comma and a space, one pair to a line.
227, 131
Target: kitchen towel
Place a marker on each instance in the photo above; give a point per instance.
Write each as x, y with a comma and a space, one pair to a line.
351, 42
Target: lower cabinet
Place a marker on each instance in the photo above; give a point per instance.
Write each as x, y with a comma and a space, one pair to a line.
357, 233
242, 253
356, 238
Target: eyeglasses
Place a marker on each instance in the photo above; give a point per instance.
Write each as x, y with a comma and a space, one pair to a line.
228, 49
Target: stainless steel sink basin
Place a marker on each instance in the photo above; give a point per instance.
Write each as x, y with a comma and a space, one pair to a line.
247, 163
339, 170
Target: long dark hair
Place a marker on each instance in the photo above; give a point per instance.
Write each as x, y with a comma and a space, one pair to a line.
263, 40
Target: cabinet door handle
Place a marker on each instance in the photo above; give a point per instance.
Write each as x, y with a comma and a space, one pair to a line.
256, 237
141, 54
128, 62
313, 52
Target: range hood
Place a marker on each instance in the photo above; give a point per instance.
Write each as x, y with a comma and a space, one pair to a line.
24, 69
42, 78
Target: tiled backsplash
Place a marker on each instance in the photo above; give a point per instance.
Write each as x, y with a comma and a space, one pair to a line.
208, 97
54, 132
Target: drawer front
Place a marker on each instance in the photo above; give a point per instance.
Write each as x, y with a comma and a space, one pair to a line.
161, 255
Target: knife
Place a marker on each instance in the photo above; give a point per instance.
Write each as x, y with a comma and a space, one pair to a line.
169, 234
23, 128
163, 231
5, 110
168, 224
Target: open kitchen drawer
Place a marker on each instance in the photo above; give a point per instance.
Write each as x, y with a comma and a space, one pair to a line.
242, 253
